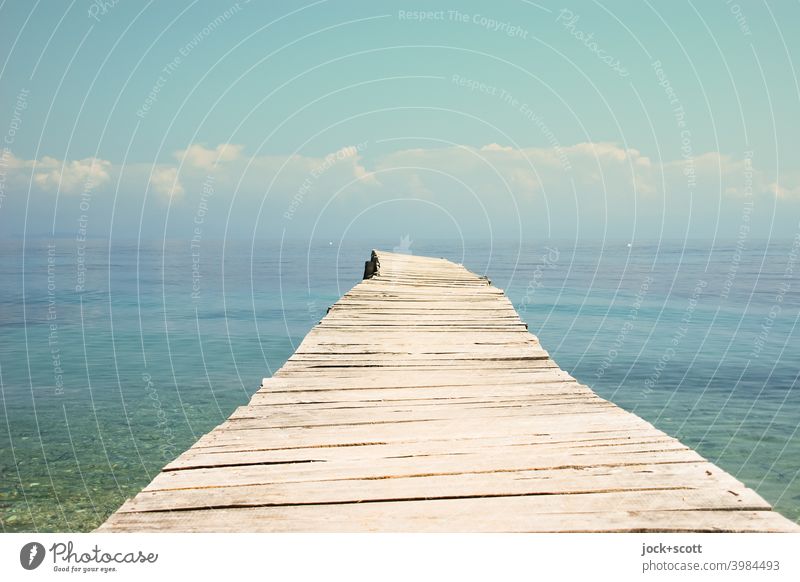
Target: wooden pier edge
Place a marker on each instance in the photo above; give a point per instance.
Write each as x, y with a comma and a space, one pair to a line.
422, 403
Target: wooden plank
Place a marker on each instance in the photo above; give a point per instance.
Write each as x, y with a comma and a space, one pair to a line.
200, 458
338, 434
422, 403
493, 514
584, 495
314, 467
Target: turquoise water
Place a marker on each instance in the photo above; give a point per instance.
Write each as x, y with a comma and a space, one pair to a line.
114, 359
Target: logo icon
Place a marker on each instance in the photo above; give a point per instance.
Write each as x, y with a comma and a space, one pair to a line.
31, 555
404, 248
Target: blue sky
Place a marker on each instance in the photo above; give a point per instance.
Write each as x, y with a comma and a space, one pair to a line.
334, 119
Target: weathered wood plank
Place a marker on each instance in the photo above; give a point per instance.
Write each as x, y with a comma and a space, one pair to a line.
199, 458
508, 514
569, 494
311, 467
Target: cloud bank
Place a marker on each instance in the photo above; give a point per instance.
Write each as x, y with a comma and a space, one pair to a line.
493, 186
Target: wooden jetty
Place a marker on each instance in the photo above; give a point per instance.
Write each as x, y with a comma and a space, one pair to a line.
422, 403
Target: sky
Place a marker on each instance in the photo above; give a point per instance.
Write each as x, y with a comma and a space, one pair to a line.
349, 119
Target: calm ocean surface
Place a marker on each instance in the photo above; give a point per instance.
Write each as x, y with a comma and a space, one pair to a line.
101, 386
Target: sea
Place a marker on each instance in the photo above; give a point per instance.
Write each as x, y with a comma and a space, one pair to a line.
115, 356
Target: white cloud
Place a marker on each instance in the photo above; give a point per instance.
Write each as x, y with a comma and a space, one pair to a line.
787, 189
52, 175
69, 177
784, 191
199, 156
164, 180
531, 171
599, 171
592, 188
493, 147
282, 173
